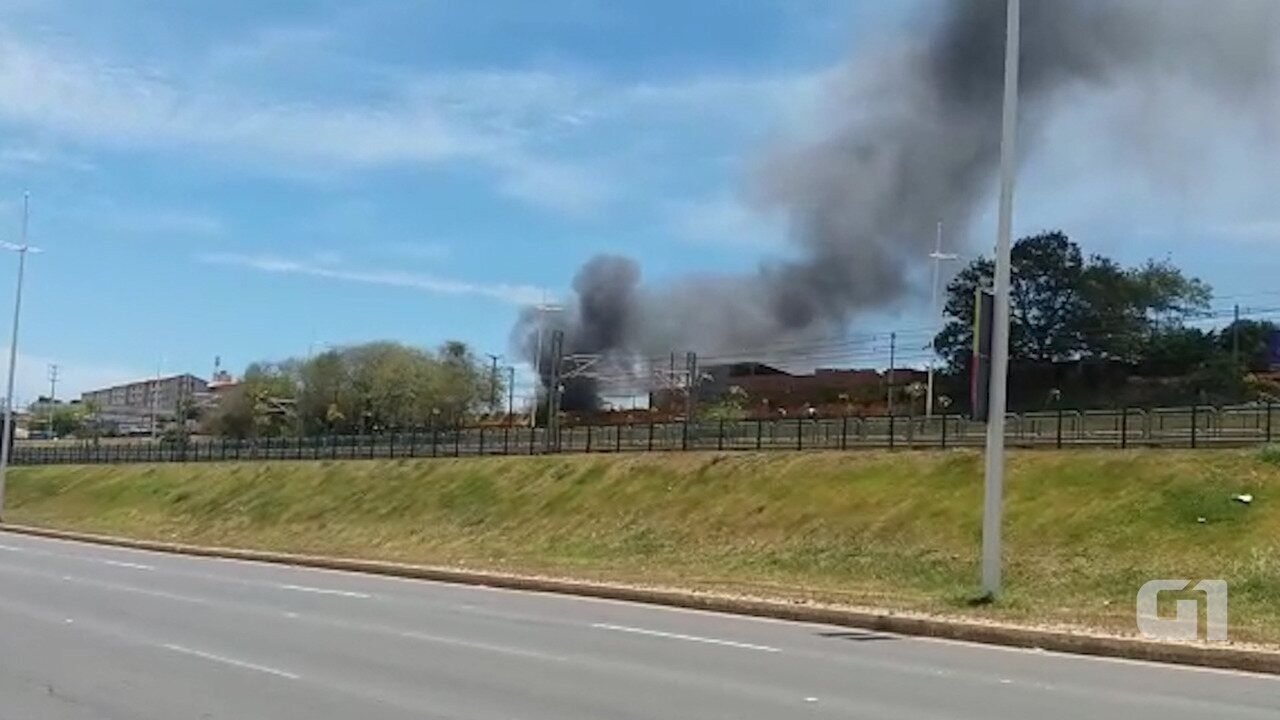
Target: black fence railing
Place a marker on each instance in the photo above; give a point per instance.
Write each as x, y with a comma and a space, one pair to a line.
1160, 427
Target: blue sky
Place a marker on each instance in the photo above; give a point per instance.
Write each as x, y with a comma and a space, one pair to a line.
249, 180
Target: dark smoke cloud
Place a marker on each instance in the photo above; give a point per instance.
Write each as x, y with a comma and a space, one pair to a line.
911, 135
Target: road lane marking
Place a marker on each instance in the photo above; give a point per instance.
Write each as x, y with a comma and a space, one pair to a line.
231, 661
465, 588
412, 635
141, 591
679, 636
326, 591
123, 564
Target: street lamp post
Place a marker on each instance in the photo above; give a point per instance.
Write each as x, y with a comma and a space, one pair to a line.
6, 440
543, 309
993, 485
937, 256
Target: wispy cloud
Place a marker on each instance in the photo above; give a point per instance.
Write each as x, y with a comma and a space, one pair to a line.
504, 292
25, 156
130, 220
542, 135
1262, 230
423, 251
724, 220
91, 100
74, 376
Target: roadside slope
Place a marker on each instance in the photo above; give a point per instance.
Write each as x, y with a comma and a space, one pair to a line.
899, 530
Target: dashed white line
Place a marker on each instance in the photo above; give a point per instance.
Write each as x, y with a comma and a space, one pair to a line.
231, 661
326, 591
480, 646
123, 564
679, 636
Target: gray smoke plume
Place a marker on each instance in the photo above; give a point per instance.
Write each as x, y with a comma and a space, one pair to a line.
912, 135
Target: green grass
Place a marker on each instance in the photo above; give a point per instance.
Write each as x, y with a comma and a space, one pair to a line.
1083, 530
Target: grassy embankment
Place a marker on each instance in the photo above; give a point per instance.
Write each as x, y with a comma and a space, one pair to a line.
1083, 529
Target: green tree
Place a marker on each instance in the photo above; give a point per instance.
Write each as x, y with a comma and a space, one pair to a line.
262, 405
1253, 337
67, 420
1175, 351
1063, 307
371, 387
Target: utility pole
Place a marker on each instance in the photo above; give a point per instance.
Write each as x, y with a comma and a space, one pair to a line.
543, 309
1235, 338
511, 395
937, 256
993, 483
893, 349
553, 393
6, 440
53, 394
155, 397
691, 387
493, 383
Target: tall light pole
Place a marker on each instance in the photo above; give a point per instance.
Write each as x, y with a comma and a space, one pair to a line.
993, 485
6, 440
53, 395
543, 309
493, 383
937, 256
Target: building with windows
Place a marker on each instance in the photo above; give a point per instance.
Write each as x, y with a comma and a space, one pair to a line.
138, 407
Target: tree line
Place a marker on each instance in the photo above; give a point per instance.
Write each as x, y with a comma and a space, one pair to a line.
1086, 331
373, 387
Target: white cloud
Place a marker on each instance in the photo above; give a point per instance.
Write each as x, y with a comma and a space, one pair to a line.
74, 376
99, 101
22, 157
119, 105
1260, 230
530, 128
724, 220
503, 292
423, 251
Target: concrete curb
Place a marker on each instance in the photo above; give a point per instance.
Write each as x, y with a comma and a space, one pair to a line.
1228, 658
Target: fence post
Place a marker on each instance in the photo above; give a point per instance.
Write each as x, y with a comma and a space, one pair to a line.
844, 432
684, 434
533, 434
1269, 420
617, 438
891, 431
799, 433
650, 447
589, 434
759, 434
1124, 427
457, 440
720, 437
1193, 425
944, 430
1058, 439
506, 439
481, 450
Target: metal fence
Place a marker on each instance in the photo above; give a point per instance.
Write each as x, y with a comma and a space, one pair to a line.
1201, 426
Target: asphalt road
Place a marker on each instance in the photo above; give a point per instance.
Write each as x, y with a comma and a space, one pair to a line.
96, 632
